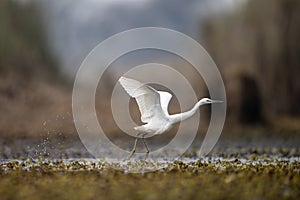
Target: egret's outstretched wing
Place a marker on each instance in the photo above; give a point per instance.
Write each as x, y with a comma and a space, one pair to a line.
147, 98
165, 98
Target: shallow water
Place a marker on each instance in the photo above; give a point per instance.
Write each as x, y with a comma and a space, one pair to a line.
65, 148
70, 154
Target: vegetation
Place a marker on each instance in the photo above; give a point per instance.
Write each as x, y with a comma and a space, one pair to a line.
202, 179
30, 85
23, 40
257, 47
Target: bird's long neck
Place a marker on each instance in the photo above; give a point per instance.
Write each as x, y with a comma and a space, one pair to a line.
185, 115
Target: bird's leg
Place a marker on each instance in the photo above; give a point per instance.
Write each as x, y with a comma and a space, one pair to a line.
144, 141
147, 149
133, 149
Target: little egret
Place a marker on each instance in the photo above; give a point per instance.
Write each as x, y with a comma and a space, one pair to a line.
153, 106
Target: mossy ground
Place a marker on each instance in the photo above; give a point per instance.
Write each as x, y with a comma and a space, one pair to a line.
195, 179
237, 169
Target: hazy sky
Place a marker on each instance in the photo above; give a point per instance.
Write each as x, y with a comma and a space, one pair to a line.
75, 26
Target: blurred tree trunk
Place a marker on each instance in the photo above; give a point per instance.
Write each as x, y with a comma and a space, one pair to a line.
259, 40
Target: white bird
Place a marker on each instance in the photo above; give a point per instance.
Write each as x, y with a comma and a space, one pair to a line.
153, 106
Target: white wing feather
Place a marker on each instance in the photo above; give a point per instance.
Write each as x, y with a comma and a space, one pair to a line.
165, 98
152, 103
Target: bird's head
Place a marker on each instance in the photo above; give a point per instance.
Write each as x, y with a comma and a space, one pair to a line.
209, 101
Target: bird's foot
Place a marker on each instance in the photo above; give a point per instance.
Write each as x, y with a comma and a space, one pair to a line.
146, 155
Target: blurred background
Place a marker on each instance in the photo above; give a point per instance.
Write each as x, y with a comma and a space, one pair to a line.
255, 44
